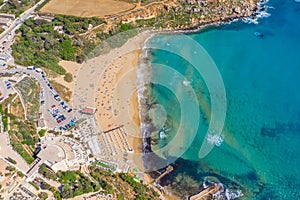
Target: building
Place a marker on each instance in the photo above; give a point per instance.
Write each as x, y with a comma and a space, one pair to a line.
5, 21
45, 17
89, 110
8, 16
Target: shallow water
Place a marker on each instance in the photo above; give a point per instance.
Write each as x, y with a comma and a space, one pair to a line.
260, 68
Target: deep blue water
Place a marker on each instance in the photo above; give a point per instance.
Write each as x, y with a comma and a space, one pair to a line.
261, 75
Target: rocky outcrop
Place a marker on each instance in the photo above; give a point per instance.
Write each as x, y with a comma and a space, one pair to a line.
187, 14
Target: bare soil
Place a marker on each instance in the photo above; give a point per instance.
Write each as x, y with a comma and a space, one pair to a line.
90, 8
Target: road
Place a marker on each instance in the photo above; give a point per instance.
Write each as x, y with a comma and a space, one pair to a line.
7, 151
18, 21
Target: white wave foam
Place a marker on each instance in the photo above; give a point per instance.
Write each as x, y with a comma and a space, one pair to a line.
162, 134
250, 20
143, 81
186, 83
262, 13
214, 139
233, 194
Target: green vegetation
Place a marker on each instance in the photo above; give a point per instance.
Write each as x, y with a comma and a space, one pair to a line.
104, 165
7, 174
1, 30
20, 174
34, 185
68, 77
41, 5
11, 160
4, 118
42, 132
17, 7
139, 188
27, 145
76, 183
122, 184
24, 140
120, 197
56, 193
43, 196
41, 43
30, 92
23, 134
10, 168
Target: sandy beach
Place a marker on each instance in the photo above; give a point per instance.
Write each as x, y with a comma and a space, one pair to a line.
108, 82
117, 102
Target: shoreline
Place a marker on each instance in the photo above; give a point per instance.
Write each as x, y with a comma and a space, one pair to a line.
140, 143
116, 98
197, 29
260, 7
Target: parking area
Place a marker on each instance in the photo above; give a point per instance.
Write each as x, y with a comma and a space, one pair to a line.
22, 193
56, 112
5, 88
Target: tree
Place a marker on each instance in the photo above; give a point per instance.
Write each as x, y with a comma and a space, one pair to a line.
10, 168
43, 195
42, 132
120, 197
11, 160
45, 186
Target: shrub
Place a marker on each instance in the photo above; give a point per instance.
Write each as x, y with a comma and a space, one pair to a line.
68, 77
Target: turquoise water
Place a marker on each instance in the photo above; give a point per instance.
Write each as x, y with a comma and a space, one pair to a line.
261, 136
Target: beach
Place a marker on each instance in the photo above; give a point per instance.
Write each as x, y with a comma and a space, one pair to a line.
117, 102
108, 83
70, 67
116, 97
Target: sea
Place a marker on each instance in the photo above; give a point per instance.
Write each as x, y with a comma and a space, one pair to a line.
224, 106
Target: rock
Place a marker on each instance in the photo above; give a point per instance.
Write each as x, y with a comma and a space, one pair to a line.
237, 10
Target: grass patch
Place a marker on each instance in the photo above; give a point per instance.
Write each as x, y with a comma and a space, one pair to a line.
4, 118
30, 92
68, 77
23, 135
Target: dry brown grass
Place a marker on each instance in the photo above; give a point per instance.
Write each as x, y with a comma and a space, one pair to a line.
87, 8
16, 108
62, 90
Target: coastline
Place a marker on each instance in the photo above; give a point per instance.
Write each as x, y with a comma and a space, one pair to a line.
116, 98
123, 62
259, 13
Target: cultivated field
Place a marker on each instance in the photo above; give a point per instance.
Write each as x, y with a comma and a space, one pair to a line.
87, 8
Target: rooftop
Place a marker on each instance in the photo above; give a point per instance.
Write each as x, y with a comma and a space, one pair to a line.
88, 110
